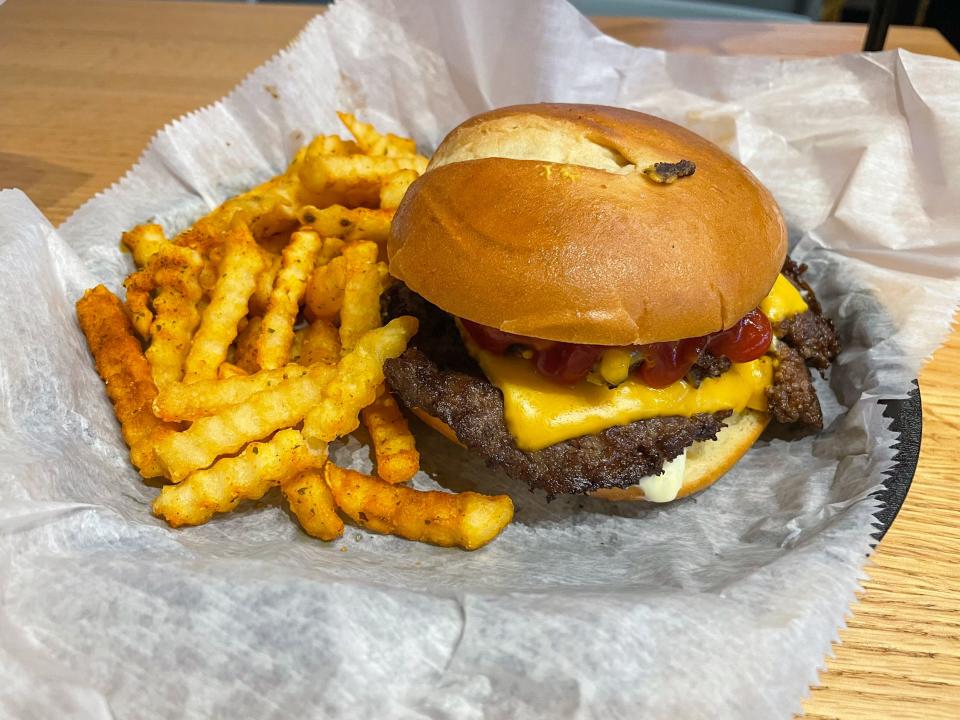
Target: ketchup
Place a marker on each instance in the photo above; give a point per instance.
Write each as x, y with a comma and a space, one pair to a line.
663, 363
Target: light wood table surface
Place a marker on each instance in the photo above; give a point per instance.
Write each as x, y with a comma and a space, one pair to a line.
84, 85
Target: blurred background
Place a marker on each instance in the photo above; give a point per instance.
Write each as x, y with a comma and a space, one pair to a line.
943, 15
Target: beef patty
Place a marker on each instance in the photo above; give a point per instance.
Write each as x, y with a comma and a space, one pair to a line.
437, 375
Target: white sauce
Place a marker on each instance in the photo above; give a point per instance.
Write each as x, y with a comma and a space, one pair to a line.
664, 488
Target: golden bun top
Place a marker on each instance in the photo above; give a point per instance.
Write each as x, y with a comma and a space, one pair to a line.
540, 220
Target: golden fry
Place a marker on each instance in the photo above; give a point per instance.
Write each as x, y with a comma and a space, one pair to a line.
365, 277
311, 502
372, 142
467, 520
276, 331
247, 476
393, 190
229, 370
279, 406
393, 443
176, 273
139, 285
337, 221
228, 304
181, 401
126, 373
327, 145
354, 180
144, 241
266, 279
246, 348
358, 376
320, 343
324, 294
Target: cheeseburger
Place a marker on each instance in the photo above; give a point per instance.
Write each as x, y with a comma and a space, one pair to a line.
605, 301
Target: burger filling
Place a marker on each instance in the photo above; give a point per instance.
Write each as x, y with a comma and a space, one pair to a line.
546, 415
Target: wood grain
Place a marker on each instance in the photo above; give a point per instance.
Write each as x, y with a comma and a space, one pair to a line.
84, 85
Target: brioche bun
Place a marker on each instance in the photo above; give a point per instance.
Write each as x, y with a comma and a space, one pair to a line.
537, 220
707, 461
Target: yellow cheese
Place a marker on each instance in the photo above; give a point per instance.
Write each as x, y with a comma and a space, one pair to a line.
539, 412
782, 301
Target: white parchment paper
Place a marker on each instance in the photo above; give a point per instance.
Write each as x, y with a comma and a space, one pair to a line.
722, 605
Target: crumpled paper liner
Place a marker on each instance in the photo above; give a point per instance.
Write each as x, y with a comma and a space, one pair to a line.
721, 605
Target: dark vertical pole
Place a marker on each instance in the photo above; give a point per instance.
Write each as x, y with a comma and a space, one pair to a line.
880, 18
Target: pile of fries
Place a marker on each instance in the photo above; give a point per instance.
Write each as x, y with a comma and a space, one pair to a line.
253, 339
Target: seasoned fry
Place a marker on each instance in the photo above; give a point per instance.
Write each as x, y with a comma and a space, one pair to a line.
228, 304
393, 443
176, 273
372, 142
354, 180
144, 241
181, 401
266, 279
327, 145
247, 476
126, 373
467, 520
276, 331
311, 502
360, 309
246, 355
337, 221
229, 370
320, 343
324, 294
139, 285
359, 375
279, 406
393, 190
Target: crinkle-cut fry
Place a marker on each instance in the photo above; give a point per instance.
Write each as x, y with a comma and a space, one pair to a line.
395, 187
324, 296
276, 330
337, 221
229, 370
279, 406
245, 356
126, 373
468, 520
358, 377
176, 273
288, 402
356, 179
332, 247
372, 142
312, 504
228, 304
320, 343
144, 241
231, 480
327, 145
393, 443
181, 401
360, 309
139, 285
266, 279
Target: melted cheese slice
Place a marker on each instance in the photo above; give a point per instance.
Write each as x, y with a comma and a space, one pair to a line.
540, 413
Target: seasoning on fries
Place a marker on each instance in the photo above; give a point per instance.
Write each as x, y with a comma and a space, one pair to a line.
253, 338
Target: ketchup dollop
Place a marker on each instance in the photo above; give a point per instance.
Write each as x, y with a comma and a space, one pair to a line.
663, 363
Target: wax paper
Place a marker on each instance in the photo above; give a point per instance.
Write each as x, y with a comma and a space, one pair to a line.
719, 606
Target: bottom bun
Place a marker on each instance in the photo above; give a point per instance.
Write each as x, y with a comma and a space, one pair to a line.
709, 459
706, 461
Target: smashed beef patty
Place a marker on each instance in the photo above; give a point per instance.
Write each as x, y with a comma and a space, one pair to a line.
437, 375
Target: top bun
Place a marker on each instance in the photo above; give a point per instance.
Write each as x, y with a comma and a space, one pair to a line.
539, 220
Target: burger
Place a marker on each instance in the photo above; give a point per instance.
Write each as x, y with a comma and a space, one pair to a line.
605, 300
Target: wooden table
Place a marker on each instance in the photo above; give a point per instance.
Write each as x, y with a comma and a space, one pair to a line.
84, 85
